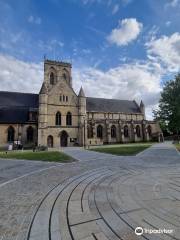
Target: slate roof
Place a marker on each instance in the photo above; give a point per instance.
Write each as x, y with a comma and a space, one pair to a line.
17, 99
111, 105
15, 106
81, 93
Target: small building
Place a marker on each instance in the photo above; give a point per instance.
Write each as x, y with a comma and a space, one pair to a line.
57, 116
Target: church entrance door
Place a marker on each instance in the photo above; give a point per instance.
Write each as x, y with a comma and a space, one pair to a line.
64, 139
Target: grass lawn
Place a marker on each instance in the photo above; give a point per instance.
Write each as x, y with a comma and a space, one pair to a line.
123, 145
178, 146
123, 150
40, 156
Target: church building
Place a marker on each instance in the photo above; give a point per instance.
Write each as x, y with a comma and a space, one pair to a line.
57, 116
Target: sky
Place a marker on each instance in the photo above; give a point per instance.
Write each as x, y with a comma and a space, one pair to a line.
124, 49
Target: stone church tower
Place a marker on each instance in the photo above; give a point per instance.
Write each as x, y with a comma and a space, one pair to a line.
61, 112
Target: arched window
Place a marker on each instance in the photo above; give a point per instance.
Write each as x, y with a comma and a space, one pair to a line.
52, 78
30, 134
69, 119
126, 131
90, 131
65, 75
50, 141
113, 131
99, 131
138, 131
149, 129
11, 133
58, 118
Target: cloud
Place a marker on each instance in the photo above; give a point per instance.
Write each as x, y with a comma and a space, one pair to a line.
115, 9
85, 2
17, 75
173, 3
107, 3
126, 2
52, 46
126, 81
18, 43
95, 30
86, 51
152, 33
35, 20
168, 23
127, 31
166, 50
9, 39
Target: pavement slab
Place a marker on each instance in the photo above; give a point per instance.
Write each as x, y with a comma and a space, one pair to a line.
99, 197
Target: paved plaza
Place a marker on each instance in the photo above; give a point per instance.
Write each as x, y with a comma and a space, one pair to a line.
99, 197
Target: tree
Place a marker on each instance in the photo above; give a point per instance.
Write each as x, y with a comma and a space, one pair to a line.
168, 112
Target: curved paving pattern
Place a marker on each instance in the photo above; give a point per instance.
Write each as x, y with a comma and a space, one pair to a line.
108, 203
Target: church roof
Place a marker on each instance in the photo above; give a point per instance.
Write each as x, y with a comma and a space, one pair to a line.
43, 89
17, 99
15, 106
111, 105
14, 115
81, 93
141, 104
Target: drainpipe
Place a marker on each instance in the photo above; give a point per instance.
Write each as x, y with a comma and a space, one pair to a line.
84, 135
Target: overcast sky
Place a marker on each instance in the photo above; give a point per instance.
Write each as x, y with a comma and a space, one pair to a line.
122, 49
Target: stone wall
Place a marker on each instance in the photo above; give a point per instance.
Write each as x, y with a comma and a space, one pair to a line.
148, 130
20, 133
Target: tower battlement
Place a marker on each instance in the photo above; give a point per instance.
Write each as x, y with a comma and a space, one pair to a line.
57, 63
